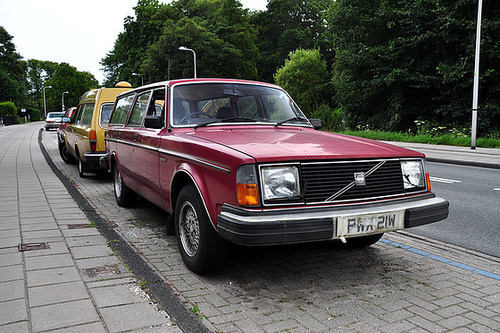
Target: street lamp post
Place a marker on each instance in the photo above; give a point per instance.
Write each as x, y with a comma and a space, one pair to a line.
476, 77
183, 48
142, 78
45, 102
62, 96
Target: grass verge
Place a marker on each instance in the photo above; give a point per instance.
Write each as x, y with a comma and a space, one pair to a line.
445, 139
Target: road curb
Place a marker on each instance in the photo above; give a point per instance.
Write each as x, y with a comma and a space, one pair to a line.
463, 162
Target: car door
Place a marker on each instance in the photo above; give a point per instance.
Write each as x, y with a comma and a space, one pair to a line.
148, 117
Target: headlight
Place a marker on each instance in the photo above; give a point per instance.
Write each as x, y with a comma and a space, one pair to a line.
280, 182
414, 177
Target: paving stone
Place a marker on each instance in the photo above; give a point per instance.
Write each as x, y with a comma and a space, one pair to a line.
49, 261
61, 315
84, 252
52, 276
115, 295
57, 293
12, 290
13, 311
119, 318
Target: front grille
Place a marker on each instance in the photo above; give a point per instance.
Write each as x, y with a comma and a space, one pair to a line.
334, 181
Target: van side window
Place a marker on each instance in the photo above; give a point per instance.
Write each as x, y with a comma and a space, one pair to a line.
139, 110
87, 114
106, 109
78, 114
121, 110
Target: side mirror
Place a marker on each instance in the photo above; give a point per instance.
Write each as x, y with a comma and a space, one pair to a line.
316, 123
66, 120
153, 122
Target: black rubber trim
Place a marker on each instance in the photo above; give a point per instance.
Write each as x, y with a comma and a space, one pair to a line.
282, 232
179, 314
425, 215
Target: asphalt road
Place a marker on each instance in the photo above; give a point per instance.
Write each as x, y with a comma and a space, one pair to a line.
474, 196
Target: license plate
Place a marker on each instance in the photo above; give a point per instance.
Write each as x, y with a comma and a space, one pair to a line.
355, 225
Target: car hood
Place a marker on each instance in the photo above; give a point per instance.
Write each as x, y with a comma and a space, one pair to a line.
269, 143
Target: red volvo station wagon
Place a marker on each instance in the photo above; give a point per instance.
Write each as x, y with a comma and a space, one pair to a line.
237, 161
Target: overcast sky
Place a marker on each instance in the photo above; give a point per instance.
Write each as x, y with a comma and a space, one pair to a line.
79, 33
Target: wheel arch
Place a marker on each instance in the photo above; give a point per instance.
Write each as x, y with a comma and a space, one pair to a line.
181, 179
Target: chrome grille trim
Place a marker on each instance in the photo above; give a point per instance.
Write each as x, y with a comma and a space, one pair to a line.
321, 179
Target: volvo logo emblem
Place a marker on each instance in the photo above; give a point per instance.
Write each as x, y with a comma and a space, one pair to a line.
359, 178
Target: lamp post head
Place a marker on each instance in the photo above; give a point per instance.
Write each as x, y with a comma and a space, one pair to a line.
183, 48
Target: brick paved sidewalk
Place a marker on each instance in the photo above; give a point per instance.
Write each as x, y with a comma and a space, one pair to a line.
402, 284
66, 278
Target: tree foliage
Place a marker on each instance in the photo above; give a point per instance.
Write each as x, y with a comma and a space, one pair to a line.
306, 79
11, 70
288, 25
399, 61
219, 31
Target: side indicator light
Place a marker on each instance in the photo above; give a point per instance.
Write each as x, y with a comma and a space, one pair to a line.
248, 194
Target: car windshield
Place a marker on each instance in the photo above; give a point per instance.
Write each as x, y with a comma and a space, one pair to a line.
203, 104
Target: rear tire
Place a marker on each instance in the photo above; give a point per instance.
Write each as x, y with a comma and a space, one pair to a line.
201, 247
83, 168
124, 196
65, 154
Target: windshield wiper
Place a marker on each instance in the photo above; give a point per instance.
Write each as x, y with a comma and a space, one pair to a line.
292, 119
225, 120
228, 120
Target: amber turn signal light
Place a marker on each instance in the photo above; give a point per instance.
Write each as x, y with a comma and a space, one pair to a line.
248, 194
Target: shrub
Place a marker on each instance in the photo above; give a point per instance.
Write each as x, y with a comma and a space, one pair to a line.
8, 109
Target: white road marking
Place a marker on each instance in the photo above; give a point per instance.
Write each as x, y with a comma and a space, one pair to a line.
496, 189
444, 180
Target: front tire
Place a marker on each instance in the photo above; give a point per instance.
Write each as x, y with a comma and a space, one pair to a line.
201, 247
124, 196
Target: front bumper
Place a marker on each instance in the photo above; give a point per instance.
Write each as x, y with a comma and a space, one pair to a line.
268, 227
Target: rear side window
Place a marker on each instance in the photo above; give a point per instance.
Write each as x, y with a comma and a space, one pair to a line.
106, 109
121, 110
87, 114
140, 107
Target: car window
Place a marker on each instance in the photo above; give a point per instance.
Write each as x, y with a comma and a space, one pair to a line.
106, 109
156, 108
121, 110
87, 114
139, 110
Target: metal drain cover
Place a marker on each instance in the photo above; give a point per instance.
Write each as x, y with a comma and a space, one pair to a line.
32, 246
79, 226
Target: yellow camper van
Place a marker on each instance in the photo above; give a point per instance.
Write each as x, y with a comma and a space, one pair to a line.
85, 132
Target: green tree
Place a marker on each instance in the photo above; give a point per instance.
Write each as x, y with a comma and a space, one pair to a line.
38, 72
288, 25
130, 49
306, 78
67, 78
11, 70
398, 61
219, 31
